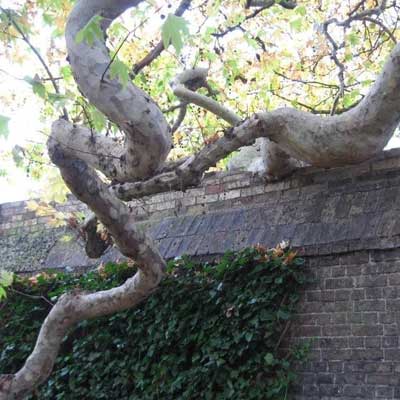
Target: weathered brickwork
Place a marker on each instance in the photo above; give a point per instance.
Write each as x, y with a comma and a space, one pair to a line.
344, 221
351, 316
26, 239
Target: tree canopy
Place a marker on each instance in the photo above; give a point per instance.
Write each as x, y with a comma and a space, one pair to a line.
320, 56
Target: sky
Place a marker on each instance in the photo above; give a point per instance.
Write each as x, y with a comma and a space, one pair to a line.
24, 127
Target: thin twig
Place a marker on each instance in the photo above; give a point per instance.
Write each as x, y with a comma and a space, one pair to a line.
313, 109
88, 119
384, 28
290, 5
31, 296
286, 295
180, 118
364, 15
173, 108
283, 334
305, 82
122, 43
231, 28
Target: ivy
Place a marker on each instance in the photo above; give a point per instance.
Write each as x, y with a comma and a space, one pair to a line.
212, 331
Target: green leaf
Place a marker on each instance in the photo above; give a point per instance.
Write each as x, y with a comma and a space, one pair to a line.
37, 86
66, 72
248, 336
3, 293
6, 278
353, 38
350, 98
301, 10
48, 19
120, 71
91, 31
283, 315
173, 32
269, 359
98, 119
296, 24
4, 131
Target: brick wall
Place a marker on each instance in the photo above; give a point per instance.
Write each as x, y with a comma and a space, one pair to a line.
344, 221
351, 315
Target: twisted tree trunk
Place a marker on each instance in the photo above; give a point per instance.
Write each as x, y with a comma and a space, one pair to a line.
137, 165
147, 134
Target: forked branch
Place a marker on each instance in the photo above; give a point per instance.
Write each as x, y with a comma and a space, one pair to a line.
349, 138
76, 306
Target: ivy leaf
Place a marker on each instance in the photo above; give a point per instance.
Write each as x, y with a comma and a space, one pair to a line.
4, 131
120, 71
269, 359
91, 31
281, 314
248, 336
173, 31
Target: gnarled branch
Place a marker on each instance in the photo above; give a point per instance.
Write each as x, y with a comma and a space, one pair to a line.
147, 135
349, 138
277, 163
76, 306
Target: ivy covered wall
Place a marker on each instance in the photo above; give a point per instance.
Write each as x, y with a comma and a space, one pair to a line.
343, 221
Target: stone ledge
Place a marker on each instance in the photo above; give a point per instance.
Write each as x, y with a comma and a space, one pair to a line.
321, 211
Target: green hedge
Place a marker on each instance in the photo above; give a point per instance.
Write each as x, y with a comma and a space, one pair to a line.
209, 332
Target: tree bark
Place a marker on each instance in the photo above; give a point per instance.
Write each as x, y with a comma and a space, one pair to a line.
147, 134
349, 138
277, 164
76, 306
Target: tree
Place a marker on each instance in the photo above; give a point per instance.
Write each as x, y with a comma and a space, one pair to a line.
107, 170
